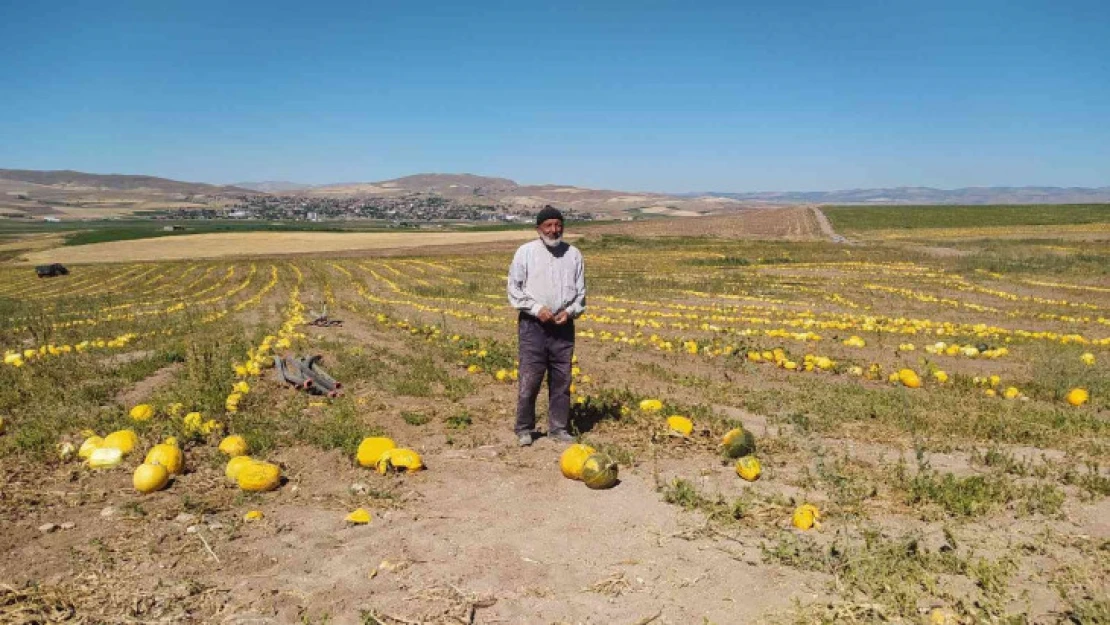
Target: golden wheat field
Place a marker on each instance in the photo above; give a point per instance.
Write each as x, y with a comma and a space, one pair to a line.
804, 432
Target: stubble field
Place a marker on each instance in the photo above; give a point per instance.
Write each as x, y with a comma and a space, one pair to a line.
970, 490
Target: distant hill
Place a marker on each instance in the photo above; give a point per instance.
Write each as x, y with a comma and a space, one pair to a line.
929, 195
272, 186
80, 181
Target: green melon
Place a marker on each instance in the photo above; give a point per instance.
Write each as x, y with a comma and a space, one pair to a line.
738, 443
599, 472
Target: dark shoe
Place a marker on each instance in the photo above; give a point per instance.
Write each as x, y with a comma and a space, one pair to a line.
561, 437
524, 440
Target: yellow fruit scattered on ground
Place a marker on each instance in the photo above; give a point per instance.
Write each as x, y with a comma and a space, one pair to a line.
168, 456
994, 380
738, 443
142, 412
1011, 392
358, 517
749, 468
1087, 358
253, 515
150, 477
123, 440
573, 459
405, 460
680, 424
940, 616
236, 465
1077, 396
651, 405
909, 378
105, 458
599, 472
259, 476
940, 376
233, 446
806, 516
370, 450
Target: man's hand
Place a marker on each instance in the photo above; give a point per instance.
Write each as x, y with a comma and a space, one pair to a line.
545, 315
561, 317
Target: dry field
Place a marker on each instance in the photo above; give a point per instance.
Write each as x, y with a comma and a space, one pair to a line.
919, 401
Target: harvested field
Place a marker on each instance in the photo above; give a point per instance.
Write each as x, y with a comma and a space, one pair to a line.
792, 223
923, 402
266, 244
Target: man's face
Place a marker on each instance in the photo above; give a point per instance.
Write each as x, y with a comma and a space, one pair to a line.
550, 229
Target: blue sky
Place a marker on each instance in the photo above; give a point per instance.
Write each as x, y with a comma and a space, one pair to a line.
658, 96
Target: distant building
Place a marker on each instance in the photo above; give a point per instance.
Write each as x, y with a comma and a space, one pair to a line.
52, 220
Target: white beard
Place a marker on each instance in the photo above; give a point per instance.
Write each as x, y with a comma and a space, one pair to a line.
551, 242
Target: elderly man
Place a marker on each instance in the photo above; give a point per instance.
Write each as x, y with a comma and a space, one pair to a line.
547, 285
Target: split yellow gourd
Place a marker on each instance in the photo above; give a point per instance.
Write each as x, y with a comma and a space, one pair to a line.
573, 459
233, 446
400, 460
371, 450
90, 445
142, 412
259, 476
358, 517
235, 465
1077, 396
738, 443
749, 468
680, 424
168, 456
105, 458
599, 472
806, 516
150, 477
123, 440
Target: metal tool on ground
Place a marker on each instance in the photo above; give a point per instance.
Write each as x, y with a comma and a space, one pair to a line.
305, 373
322, 320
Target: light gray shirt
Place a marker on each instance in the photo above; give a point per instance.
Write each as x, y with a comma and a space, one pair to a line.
538, 277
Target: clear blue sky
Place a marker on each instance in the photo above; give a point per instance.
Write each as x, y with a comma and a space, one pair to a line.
662, 96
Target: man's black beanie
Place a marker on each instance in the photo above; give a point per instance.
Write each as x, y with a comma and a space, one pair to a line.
548, 212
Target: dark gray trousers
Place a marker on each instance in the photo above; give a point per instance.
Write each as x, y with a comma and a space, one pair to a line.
544, 349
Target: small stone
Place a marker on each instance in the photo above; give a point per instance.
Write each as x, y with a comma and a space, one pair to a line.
185, 518
216, 526
47, 528
68, 526
108, 512
192, 529
358, 488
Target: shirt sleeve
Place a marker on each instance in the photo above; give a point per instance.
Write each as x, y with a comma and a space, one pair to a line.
578, 306
518, 275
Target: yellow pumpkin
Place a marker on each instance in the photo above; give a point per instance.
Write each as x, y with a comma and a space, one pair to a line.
234, 445
235, 465
370, 450
572, 460
142, 412
806, 516
651, 405
599, 472
90, 445
253, 515
398, 459
680, 424
123, 440
150, 477
259, 476
105, 458
358, 517
1011, 392
738, 443
1077, 396
909, 378
749, 468
168, 456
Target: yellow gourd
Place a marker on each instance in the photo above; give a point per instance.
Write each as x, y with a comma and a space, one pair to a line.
806, 516
680, 424
749, 468
651, 405
259, 476
123, 440
573, 459
400, 459
235, 465
105, 458
90, 445
599, 472
909, 378
168, 456
142, 412
150, 477
1077, 396
738, 443
233, 446
358, 517
370, 450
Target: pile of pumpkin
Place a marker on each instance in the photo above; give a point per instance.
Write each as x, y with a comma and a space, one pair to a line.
382, 453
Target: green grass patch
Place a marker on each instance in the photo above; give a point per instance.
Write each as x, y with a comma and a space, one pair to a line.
863, 218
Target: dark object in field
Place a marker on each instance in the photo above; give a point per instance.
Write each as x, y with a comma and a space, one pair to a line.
306, 374
51, 270
321, 320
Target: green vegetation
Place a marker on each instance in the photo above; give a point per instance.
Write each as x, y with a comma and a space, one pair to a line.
862, 218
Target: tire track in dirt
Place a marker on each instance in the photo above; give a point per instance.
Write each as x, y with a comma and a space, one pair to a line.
825, 226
